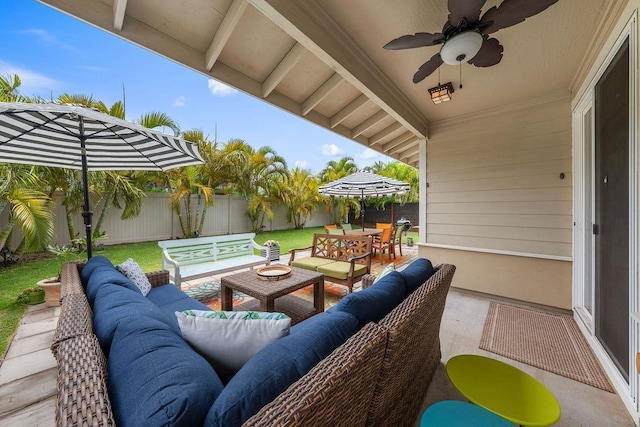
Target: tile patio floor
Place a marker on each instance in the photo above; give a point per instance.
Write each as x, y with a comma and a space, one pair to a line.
27, 375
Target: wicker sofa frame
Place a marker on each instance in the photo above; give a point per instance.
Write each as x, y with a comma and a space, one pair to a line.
378, 377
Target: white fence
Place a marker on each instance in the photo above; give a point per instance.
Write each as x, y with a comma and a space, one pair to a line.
158, 222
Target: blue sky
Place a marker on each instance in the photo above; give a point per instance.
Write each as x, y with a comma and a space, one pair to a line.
54, 54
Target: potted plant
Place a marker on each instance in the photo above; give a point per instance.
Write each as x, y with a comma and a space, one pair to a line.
271, 250
51, 285
32, 295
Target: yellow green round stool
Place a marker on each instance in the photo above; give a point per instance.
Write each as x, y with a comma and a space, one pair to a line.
503, 390
454, 413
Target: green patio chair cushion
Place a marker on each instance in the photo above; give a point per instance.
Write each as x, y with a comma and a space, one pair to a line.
311, 263
340, 269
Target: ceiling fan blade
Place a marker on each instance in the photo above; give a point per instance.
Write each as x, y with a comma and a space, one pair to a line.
469, 9
490, 53
512, 12
415, 40
427, 68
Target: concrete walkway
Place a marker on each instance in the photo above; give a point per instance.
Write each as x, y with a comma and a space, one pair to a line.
28, 372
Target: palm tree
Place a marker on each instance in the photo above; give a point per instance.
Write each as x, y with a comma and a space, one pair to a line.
29, 209
339, 207
300, 194
199, 182
257, 173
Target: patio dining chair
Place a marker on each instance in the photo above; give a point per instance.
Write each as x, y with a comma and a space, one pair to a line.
383, 243
330, 227
346, 226
396, 240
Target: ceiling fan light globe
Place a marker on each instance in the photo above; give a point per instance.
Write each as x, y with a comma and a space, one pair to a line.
464, 45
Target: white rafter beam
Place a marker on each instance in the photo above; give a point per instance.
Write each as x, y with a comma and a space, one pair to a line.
375, 139
321, 93
312, 26
402, 147
229, 22
369, 123
353, 106
119, 8
288, 62
396, 141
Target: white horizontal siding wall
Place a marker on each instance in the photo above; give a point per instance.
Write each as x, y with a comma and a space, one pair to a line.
494, 180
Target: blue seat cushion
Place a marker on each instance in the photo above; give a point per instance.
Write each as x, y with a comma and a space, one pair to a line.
156, 379
103, 274
271, 371
373, 303
416, 273
90, 265
172, 299
114, 302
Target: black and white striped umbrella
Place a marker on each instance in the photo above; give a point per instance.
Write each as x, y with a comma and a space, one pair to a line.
74, 137
364, 184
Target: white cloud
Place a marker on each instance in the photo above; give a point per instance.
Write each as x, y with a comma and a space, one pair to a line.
331, 150
180, 101
31, 80
302, 164
47, 38
367, 154
92, 68
221, 89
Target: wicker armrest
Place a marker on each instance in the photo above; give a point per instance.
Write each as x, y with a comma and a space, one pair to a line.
83, 399
76, 318
158, 278
367, 280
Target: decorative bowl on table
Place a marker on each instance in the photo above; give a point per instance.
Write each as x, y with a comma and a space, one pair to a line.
273, 272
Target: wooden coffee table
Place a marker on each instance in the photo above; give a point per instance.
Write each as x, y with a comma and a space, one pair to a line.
275, 295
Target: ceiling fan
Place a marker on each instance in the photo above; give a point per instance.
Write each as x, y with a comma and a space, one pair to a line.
465, 36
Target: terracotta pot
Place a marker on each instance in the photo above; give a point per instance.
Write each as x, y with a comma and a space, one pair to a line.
51, 288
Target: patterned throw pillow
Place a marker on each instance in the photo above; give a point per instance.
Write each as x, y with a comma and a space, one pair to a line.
228, 339
133, 272
388, 269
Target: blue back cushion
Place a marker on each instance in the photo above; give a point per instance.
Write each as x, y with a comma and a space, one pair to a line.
103, 274
172, 299
373, 303
113, 303
277, 366
90, 265
417, 273
156, 379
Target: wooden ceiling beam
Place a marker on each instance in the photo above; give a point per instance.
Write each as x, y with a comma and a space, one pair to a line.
119, 9
397, 141
282, 69
312, 26
321, 93
353, 106
375, 139
227, 26
402, 147
369, 123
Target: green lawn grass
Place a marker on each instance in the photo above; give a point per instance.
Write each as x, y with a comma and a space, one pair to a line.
14, 278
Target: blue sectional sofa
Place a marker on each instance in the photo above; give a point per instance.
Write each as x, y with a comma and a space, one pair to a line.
143, 372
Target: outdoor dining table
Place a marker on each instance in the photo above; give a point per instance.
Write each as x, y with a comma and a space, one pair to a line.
365, 232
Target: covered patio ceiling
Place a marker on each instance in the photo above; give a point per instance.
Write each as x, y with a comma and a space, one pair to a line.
323, 59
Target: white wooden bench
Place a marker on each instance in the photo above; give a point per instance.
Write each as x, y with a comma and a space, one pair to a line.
204, 256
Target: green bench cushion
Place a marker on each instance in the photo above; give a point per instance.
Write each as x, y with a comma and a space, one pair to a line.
311, 263
340, 269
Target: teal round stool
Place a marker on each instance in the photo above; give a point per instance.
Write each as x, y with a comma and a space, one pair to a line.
454, 413
504, 390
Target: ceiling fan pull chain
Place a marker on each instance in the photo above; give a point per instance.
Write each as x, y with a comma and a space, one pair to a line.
460, 74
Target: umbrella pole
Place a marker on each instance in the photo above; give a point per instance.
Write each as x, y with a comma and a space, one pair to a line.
85, 184
362, 209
